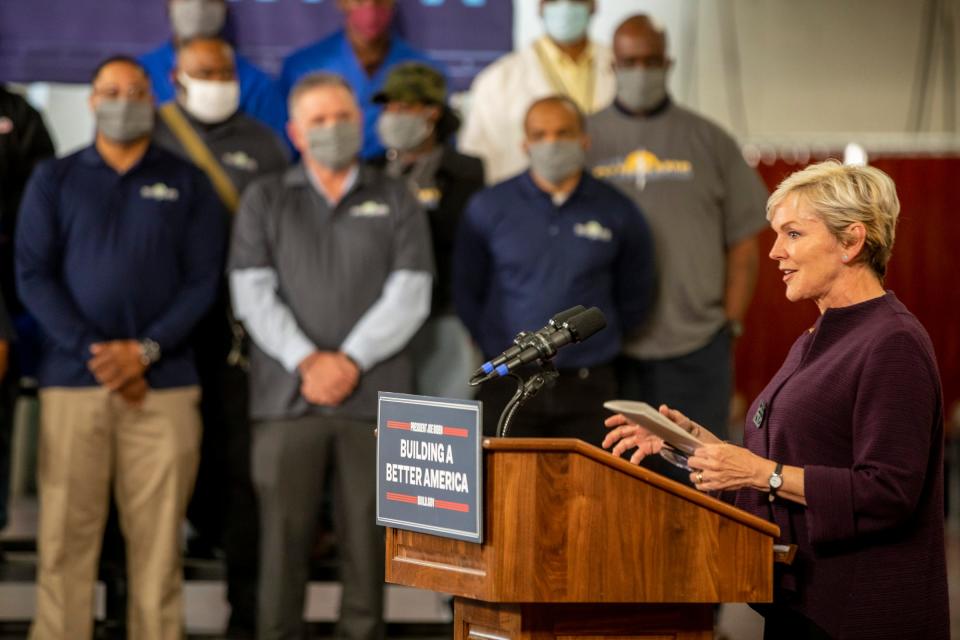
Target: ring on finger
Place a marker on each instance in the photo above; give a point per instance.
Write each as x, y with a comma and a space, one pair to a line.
700, 477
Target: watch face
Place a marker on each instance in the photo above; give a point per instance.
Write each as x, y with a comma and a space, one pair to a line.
775, 482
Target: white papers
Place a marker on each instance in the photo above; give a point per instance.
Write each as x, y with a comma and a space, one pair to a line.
657, 424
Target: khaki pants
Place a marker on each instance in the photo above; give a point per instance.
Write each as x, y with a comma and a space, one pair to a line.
88, 438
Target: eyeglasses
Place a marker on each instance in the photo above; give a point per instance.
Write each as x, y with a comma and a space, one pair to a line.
140, 94
655, 61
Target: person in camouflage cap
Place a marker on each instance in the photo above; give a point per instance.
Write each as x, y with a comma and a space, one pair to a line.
416, 126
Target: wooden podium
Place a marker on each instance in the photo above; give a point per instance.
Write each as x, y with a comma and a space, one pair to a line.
579, 544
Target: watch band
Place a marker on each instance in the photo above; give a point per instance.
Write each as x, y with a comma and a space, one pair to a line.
776, 481
149, 352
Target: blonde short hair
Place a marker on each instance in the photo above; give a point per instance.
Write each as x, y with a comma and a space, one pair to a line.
842, 195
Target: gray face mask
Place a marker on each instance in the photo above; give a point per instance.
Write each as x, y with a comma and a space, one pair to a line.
197, 18
640, 89
334, 147
403, 131
124, 120
555, 161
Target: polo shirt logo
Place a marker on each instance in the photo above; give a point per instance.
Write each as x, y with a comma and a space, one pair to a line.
159, 192
643, 166
370, 209
429, 197
593, 230
240, 160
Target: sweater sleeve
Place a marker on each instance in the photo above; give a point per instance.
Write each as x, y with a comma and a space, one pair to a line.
894, 418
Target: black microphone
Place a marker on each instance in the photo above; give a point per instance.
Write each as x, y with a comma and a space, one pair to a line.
544, 346
524, 337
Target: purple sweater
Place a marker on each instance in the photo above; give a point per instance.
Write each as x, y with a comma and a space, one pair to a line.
858, 405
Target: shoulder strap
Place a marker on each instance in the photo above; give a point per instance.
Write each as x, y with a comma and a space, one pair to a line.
200, 154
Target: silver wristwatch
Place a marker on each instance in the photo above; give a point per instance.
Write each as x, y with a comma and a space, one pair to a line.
776, 481
149, 352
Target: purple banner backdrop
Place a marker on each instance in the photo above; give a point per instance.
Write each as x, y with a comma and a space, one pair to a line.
62, 40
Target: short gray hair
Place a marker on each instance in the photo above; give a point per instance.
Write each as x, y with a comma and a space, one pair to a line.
841, 195
316, 80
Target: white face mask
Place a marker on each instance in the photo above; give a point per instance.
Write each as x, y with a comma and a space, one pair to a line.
209, 101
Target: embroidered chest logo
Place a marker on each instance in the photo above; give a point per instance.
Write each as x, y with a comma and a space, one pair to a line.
159, 192
240, 160
370, 209
6, 125
593, 230
429, 197
642, 166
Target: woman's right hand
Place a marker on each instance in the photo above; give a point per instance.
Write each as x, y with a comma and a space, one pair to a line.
625, 435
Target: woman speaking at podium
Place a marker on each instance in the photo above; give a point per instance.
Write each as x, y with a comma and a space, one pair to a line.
844, 447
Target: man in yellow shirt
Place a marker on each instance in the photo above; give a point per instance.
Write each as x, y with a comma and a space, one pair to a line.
564, 61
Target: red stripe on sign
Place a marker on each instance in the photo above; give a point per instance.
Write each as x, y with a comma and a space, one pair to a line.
457, 432
451, 506
400, 497
393, 424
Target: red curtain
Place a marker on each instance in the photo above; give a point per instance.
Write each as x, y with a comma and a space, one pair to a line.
922, 272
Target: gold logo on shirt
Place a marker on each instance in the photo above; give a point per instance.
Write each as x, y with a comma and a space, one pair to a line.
643, 166
370, 209
159, 192
593, 230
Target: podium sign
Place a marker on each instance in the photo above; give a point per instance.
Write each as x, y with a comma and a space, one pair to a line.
429, 476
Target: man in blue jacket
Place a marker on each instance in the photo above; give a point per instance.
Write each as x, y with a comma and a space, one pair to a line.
362, 53
118, 254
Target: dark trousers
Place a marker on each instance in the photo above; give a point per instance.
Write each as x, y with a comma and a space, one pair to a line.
698, 384
572, 408
290, 460
8, 398
783, 623
223, 508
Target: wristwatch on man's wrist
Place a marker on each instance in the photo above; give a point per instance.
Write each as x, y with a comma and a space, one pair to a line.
775, 481
149, 352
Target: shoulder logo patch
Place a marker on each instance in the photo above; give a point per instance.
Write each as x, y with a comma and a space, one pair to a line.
593, 230
370, 209
159, 192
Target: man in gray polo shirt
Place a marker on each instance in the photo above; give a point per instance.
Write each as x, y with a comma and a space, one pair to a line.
331, 273
705, 207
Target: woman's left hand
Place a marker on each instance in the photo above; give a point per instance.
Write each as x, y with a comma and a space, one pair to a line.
718, 467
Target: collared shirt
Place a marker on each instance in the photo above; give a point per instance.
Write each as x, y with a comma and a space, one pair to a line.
245, 148
501, 94
260, 97
306, 274
106, 256
571, 77
700, 198
335, 54
519, 259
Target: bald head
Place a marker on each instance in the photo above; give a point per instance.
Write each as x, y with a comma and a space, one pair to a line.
207, 59
639, 41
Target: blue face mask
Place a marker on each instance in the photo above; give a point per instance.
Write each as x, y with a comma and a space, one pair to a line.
566, 21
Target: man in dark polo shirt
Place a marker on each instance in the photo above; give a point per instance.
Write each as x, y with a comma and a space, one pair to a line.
330, 272
549, 239
204, 126
118, 253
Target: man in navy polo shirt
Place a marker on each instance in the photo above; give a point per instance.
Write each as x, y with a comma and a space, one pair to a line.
361, 53
551, 238
118, 254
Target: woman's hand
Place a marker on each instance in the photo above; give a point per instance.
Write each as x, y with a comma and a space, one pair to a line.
718, 467
625, 435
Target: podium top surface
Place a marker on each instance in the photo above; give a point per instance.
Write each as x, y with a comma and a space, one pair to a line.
570, 445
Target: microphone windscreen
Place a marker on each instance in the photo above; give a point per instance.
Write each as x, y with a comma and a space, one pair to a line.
562, 316
585, 324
